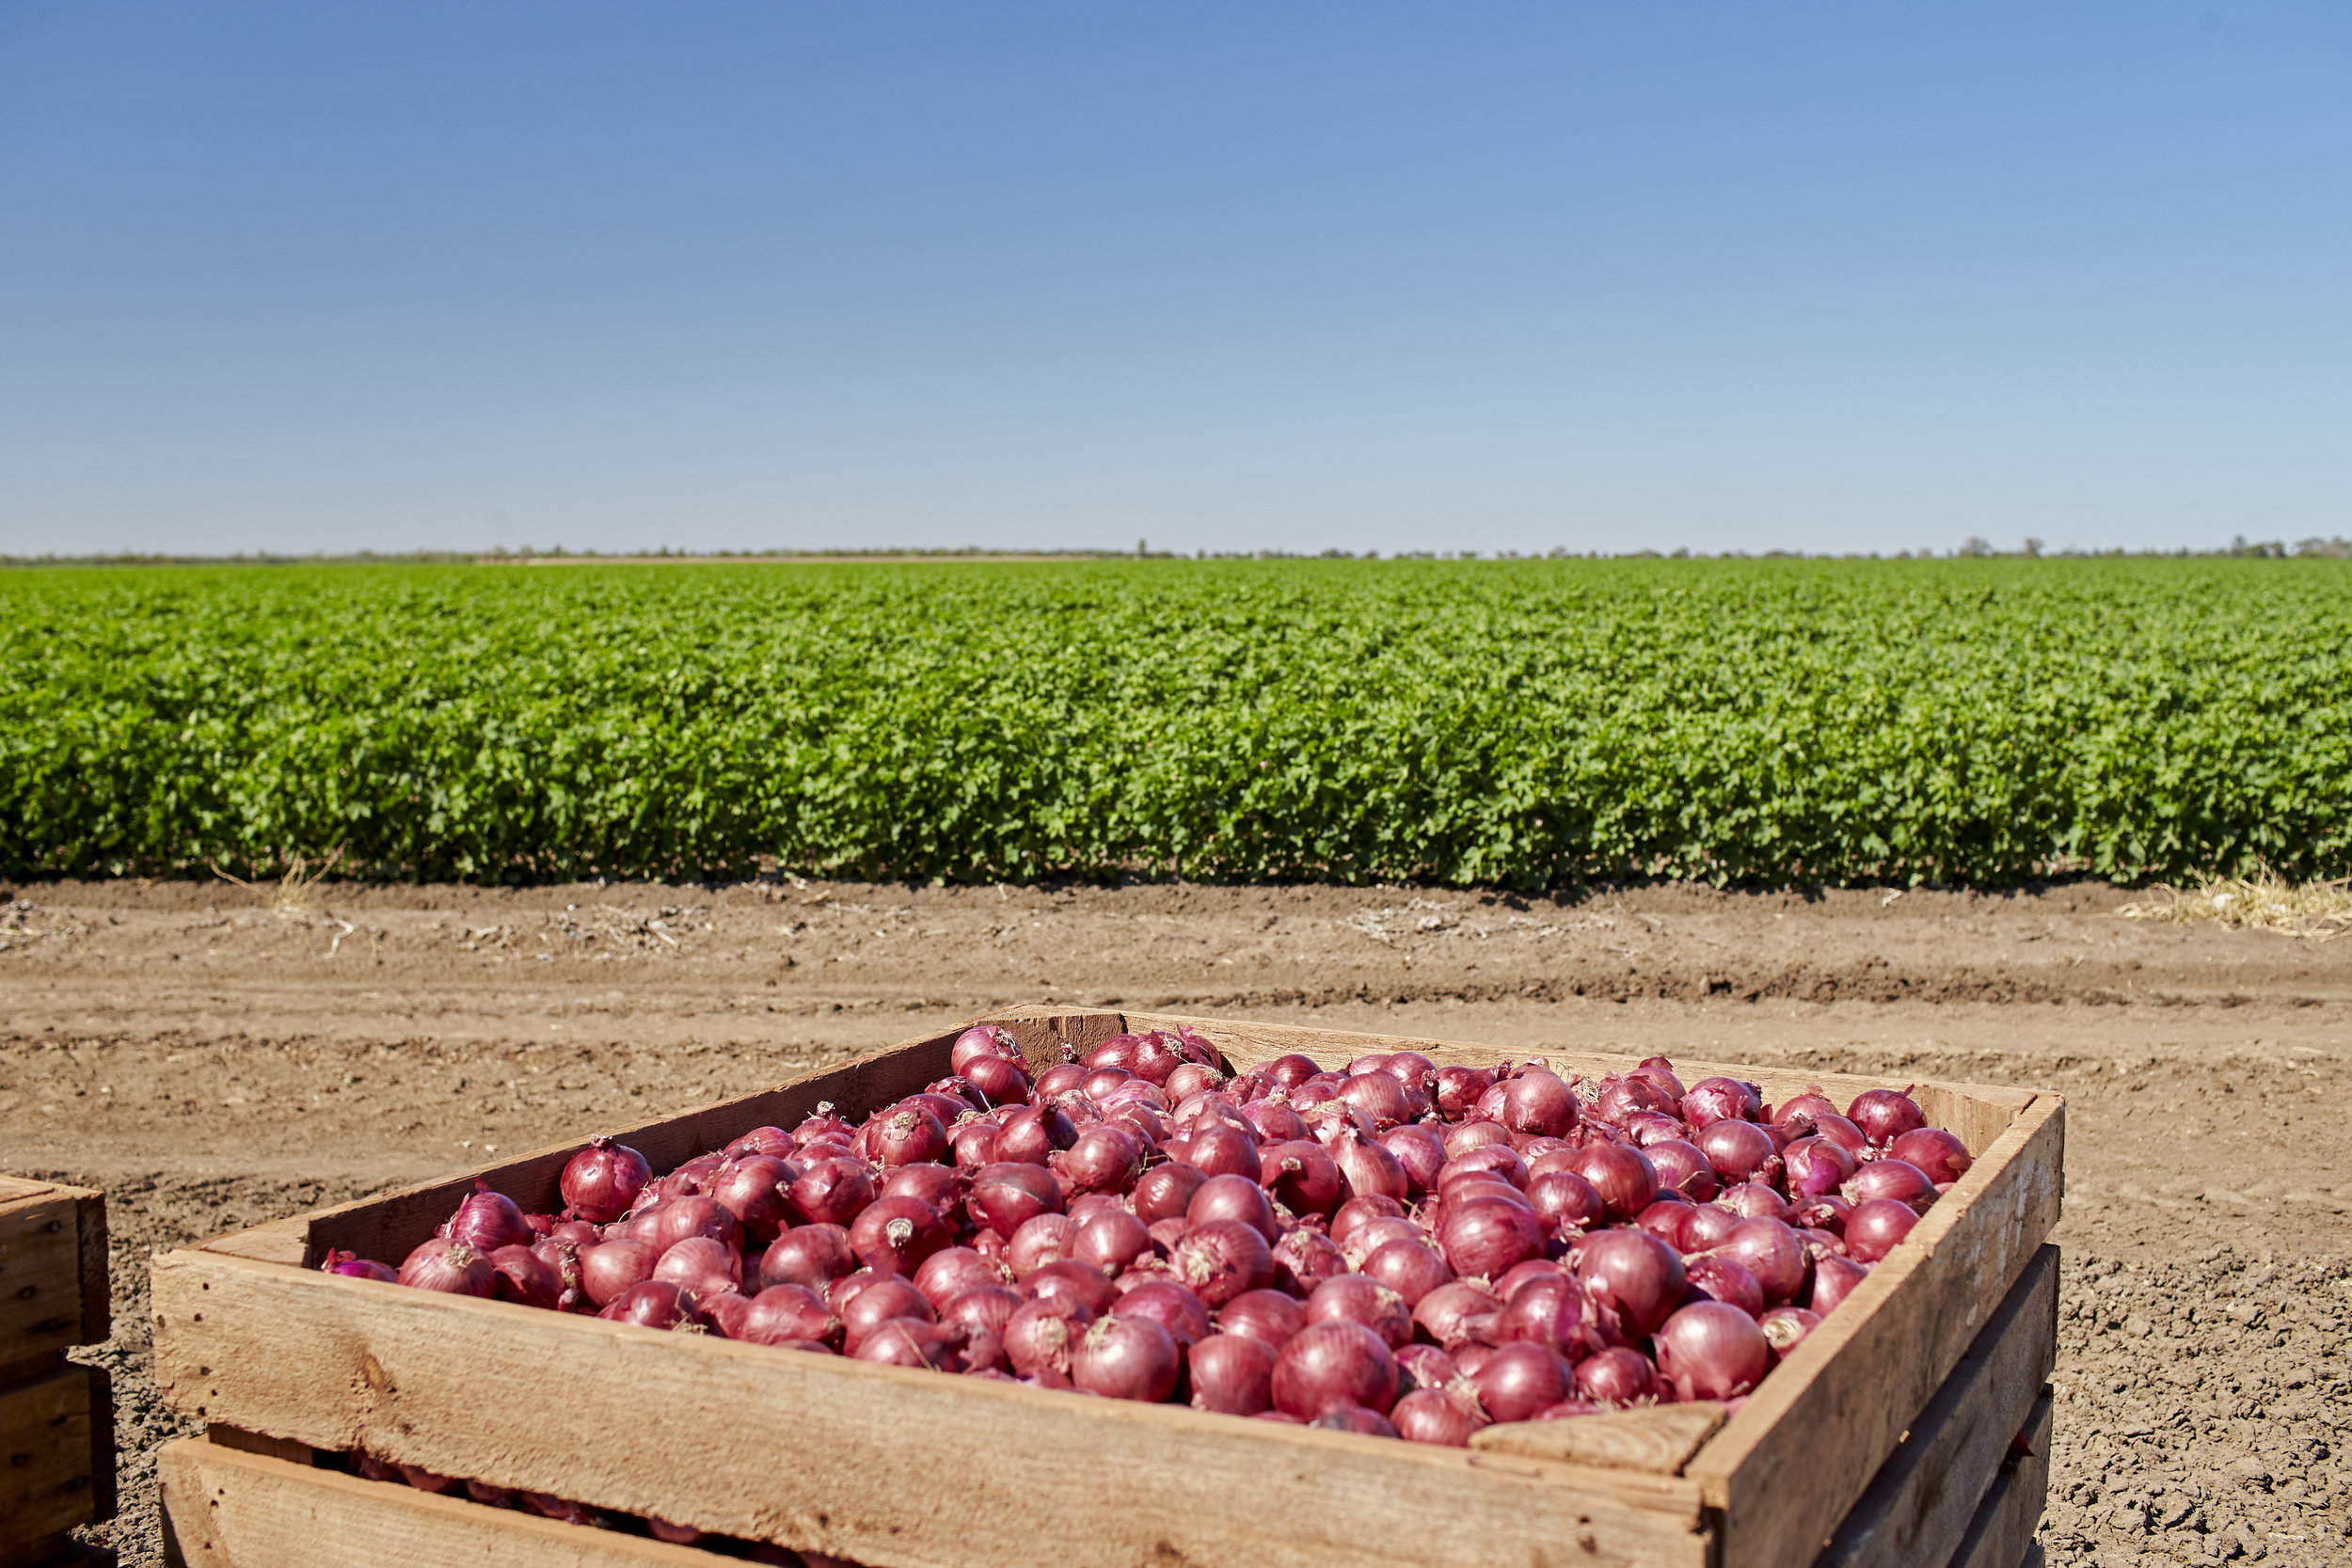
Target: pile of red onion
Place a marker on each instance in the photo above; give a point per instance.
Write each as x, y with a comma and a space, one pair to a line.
1394, 1248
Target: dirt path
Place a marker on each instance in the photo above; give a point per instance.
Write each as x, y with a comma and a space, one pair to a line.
215, 1061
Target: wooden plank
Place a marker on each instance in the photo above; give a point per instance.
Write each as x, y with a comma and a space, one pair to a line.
480, 1388
227, 1509
50, 1440
42, 1275
1921, 1503
2001, 1535
253, 1442
1858, 1380
90, 1215
1660, 1439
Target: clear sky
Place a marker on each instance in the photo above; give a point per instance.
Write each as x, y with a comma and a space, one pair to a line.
1500, 277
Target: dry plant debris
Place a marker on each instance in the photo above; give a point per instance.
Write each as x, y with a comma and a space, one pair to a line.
2267, 902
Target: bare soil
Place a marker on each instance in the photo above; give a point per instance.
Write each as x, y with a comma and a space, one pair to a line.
215, 1056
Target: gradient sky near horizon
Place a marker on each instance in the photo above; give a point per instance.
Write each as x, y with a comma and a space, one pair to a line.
1830, 277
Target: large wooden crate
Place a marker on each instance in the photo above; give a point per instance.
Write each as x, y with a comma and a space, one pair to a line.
56, 1417
1908, 1400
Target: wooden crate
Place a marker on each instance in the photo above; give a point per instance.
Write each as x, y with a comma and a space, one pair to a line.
249, 1336
56, 1417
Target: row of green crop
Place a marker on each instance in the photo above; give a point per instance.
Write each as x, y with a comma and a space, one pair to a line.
1525, 722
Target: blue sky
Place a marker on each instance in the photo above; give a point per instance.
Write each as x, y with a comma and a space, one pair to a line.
1506, 276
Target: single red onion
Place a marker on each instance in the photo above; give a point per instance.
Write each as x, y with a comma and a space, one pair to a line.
1219, 1259
1617, 1377
1360, 1299
834, 1192
1798, 1111
1173, 1307
1844, 1134
1062, 1078
701, 1267
1366, 1168
1622, 1175
1726, 1279
1275, 1121
753, 1189
1635, 1274
850, 1287
1218, 1149
1331, 1364
1043, 1239
1455, 1089
1165, 1192
1420, 1364
1487, 1235
1009, 1194
1874, 1228
1644, 1127
1833, 1279
1410, 1068
951, 1270
878, 1304
1887, 1177
1157, 1057
786, 1312
999, 1082
1538, 1101
1419, 1149
905, 1342
1112, 1240
1103, 1159
1407, 1268
1714, 1099
1710, 1350
1753, 1200
1682, 1167
982, 1041
1565, 1201
1125, 1357
1190, 1078
1785, 1328
1039, 1336
1817, 1165
910, 1135
1519, 1379
1519, 1274
486, 1221
650, 1304
1619, 1098
1496, 1160
610, 1268
1381, 1098
1452, 1314
1943, 1157
1770, 1251
357, 1267
1304, 1259
1551, 1310
1033, 1135
1740, 1151
1462, 1137
1355, 1418
982, 1312
522, 1275
601, 1181
825, 1122
1885, 1115
1709, 1225
969, 1100
1670, 1222
1361, 1211
810, 1255
1827, 1213
1068, 1277
1103, 1080
895, 1234
1232, 1374
1660, 1072
1290, 1070
1232, 1198
1268, 1316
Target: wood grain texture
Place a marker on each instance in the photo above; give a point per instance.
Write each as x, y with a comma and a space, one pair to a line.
2001, 1534
53, 1429
1923, 1499
1860, 1378
481, 1388
227, 1509
1660, 1439
46, 1281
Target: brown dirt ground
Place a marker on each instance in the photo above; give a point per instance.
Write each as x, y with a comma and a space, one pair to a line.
214, 1058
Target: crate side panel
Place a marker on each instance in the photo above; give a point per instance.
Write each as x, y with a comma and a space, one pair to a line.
475, 1388
1875, 1363
42, 1312
48, 1453
2001, 1535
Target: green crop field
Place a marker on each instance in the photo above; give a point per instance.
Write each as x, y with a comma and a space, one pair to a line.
1526, 723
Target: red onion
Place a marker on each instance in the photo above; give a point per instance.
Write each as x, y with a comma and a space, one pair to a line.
1660, 1072
1550, 1310
1565, 1201
1617, 1377
1714, 1099
982, 1041
1498, 1160
1046, 1239
1826, 1212
1726, 1279
1889, 1178
1753, 1200
1103, 1159
610, 1268
983, 1311
973, 1143
1232, 1198
603, 1179
1418, 1151
939, 1186
1799, 1110
1291, 1070
1039, 1338
1355, 1418
1165, 1192
1275, 1121
1885, 1115
1680, 1165
1619, 1098
1190, 1078
1635, 1274
1365, 1167
1519, 1274
1740, 1151
1232, 1374
1358, 1299
951, 1270
1221, 1258
1943, 1157
904, 1342
1833, 1279
650, 1304
357, 1267
1062, 1078
1450, 1314
823, 1123
1409, 1269
1125, 1357
1709, 1225
1111, 1240
1537, 1100
968, 1100
782, 1313
895, 1234
1362, 1210
1844, 1134
753, 1189
520, 1274
1712, 1351
1670, 1222
1456, 1088
1410, 1068
810, 1255
1817, 1165
1462, 1137
1785, 1328
1032, 1135
999, 1082
1330, 1363
1644, 1127
1071, 1277
877, 1303
1172, 1306
1304, 1259
1007, 1194
701, 1267
1157, 1057
1770, 1251
1379, 1097
1218, 1149
1622, 1175
1487, 1235
910, 1135
486, 1221
1103, 1080
1267, 1316
1519, 1379
833, 1192
1420, 1364
1464, 1188
1872, 1231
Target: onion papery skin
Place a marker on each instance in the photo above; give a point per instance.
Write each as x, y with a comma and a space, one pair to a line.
1125, 1357
786, 1312
1519, 1379
1940, 1156
951, 1270
1039, 1336
1726, 1279
1103, 1159
519, 1275
1232, 1198
1485, 1236
1418, 1151
1896, 1180
1219, 1149
1172, 1306
1009, 1194
1358, 1299
1622, 1175
1617, 1377
1362, 1210
1713, 1099
1710, 1350
1785, 1328
1876, 1227
1452, 1315
486, 1221
1164, 1192
650, 1304
1330, 1364
895, 1234
1303, 1260
989, 1041
834, 1192
1221, 1258
877, 1303
1408, 1268
601, 1181
1885, 1115
1740, 1151
810, 1255
1833, 1279
610, 1268
1232, 1374
1635, 1274
753, 1189
1771, 1252
1816, 1166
